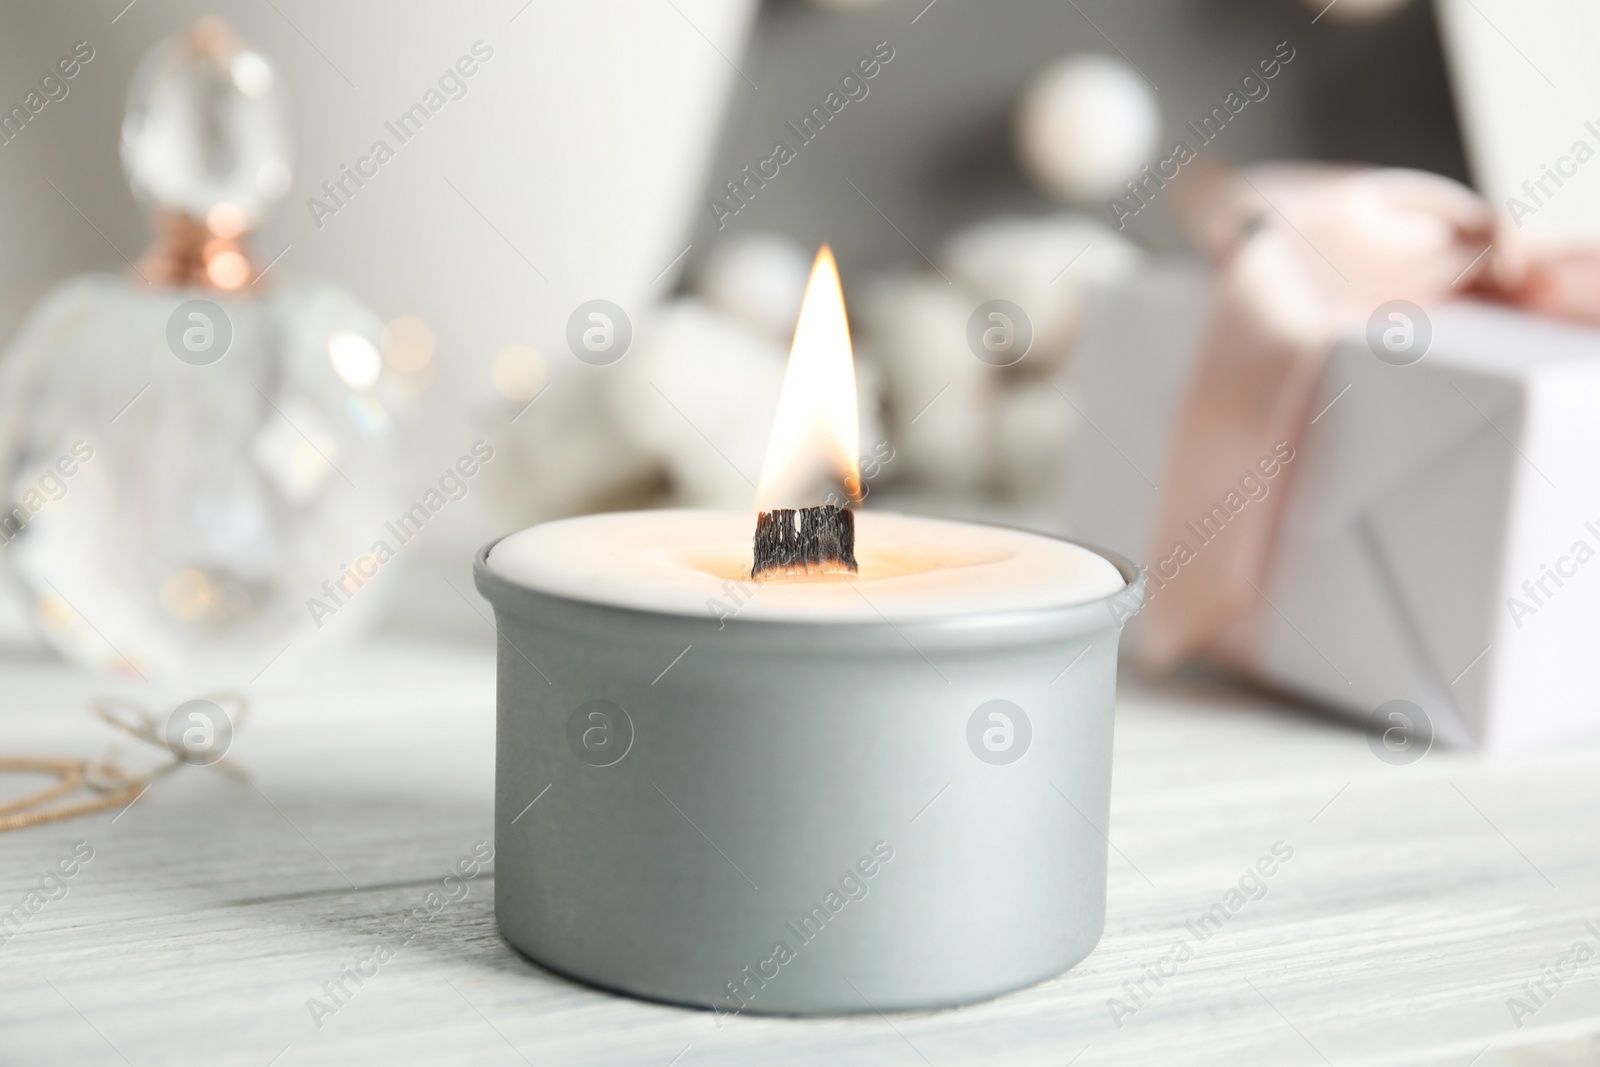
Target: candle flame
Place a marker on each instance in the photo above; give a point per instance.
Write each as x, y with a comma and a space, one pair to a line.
816, 438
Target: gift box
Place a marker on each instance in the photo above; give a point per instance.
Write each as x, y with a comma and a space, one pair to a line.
1440, 540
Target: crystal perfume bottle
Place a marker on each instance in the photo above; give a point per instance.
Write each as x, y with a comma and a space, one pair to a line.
190, 452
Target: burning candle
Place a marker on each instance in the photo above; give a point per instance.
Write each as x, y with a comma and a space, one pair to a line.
800, 759
692, 562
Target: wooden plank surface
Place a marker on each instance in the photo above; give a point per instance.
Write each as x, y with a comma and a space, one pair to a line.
1417, 900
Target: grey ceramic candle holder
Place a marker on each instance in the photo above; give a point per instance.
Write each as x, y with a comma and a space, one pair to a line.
802, 817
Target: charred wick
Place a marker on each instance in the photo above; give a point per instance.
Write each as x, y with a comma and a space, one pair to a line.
819, 540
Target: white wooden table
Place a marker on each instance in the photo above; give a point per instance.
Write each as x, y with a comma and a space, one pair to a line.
1417, 901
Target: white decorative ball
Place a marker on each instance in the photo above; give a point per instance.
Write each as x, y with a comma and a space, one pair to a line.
938, 392
1045, 265
697, 391
758, 279
1086, 125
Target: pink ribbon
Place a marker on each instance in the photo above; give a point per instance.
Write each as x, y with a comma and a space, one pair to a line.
1305, 254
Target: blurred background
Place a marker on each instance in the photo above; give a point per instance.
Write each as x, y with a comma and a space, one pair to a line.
304, 303
953, 154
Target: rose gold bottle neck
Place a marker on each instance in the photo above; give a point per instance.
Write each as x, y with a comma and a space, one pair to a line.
189, 252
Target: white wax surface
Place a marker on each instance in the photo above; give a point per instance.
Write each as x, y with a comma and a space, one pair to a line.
911, 568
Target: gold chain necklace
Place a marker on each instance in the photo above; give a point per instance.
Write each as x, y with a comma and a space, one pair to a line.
116, 787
